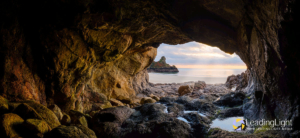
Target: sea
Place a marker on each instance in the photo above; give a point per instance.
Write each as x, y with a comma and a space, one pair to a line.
210, 76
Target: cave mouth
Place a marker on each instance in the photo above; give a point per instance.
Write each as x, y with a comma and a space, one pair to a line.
195, 62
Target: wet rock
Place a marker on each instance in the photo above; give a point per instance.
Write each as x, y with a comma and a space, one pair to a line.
184, 90
56, 110
115, 102
106, 123
231, 99
184, 100
3, 105
147, 100
209, 97
78, 118
232, 112
66, 132
219, 133
36, 127
11, 125
167, 100
199, 124
176, 109
239, 82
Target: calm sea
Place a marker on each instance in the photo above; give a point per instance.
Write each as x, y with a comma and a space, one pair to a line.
210, 76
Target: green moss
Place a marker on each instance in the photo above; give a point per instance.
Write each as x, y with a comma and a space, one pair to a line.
262, 129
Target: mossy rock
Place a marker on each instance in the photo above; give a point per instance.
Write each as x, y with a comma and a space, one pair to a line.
46, 114
106, 105
90, 133
56, 110
3, 105
37, 126
11, 125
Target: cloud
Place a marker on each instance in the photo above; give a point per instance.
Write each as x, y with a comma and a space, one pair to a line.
194, 53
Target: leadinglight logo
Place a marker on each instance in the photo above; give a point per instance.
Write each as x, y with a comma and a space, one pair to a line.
242, 126
262, 124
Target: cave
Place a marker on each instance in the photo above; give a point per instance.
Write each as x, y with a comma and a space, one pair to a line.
80, 54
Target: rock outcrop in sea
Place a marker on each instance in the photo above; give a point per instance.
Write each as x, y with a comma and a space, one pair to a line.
162, 66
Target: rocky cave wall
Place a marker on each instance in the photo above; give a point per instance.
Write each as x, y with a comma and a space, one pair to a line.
79, 54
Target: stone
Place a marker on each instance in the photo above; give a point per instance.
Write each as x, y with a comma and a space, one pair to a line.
167, 100
184, 90
116, 114
36, 127
231, 112
231, 99
66, 119
46, 114
199, 124
176, 109
11, 125
200, 85
147, 100
66, 132
4, 108
115, 102
78, 118
26, 111
155, 97
56, 110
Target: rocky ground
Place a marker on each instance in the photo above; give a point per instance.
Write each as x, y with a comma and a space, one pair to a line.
182, 110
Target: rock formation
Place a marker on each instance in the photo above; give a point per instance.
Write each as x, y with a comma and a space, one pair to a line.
162, 66
80, 54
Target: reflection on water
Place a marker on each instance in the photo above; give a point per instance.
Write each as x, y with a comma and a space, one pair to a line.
226, 124
210, 76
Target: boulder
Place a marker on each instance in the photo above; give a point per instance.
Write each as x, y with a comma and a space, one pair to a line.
66, 119
78, 118
26, 112
11, 125
147, 100
199, 124
231, 99
184, 90
176, 109
200, 85
56, 110
3, 105
167, 100
231, 112
36, 127
115, 102
106, 123
66, 132
44, 113
155, 97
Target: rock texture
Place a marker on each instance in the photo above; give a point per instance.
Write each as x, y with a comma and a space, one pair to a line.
162, 66
79, 54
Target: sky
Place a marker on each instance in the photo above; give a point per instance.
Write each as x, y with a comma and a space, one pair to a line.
197, 55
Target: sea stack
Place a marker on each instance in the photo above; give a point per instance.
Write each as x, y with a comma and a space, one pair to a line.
162, 66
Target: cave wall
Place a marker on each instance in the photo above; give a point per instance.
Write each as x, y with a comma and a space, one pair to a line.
79, 54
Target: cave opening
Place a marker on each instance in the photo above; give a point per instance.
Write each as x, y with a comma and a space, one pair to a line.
194, 61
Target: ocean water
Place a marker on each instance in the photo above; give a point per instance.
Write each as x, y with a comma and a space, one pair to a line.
210, 76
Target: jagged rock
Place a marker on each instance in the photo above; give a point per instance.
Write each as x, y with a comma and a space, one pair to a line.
3, 105
115, 102
238, 82
176, 109
11, 125
56, 110
231, 99
199, 124
147, 100
161, 66
232, 112
184, 90
36, 127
